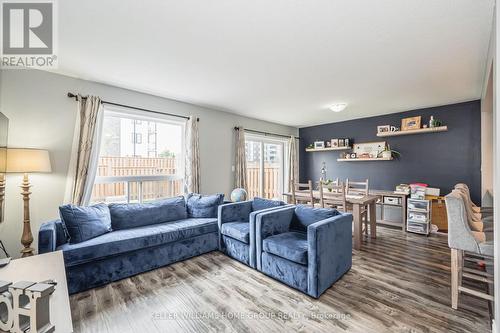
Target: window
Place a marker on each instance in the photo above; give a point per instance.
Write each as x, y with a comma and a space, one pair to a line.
136, 138
146, 168
265, 166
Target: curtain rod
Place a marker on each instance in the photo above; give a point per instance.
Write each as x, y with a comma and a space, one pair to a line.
265, 133
71, 95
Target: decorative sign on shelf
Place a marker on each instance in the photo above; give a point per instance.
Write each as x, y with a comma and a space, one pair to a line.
24, 306
368, 149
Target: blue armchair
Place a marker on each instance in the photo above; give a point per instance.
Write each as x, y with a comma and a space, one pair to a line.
307, 248
237, 227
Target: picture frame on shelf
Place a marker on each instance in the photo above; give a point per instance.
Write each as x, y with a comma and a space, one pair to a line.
411, 123
346, 142
335, 143
319, 144
383, 128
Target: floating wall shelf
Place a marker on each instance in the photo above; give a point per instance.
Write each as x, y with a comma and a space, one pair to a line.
310, 150
364, 159
417, 131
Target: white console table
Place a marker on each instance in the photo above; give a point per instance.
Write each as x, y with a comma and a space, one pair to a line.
40, 268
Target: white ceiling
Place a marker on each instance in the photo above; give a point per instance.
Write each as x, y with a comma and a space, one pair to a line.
283, 60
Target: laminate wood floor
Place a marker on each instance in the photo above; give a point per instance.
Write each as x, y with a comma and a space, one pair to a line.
399, 282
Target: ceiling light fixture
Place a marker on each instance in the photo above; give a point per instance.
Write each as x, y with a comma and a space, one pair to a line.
338, 107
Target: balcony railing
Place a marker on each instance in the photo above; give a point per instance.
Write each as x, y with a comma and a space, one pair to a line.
272, 180
136, 179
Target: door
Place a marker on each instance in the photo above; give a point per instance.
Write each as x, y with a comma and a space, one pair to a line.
265, 166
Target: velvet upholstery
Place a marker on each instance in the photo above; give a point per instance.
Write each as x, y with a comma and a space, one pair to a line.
124, 216
305, 215
330, 252
203, 205
131, 250
84, 223
123, 241
327, 244
237, 230
271, 223
288, 245
47, 237
112, 268
261, 203
51, 235
290, 273
237, 221
236, 249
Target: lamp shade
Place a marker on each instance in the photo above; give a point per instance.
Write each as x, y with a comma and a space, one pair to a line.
25, 160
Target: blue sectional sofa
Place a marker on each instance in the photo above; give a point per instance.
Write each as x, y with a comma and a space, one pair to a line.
307, 248
143, 237
237, 227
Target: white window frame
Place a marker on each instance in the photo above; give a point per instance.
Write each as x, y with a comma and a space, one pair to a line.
116, 111
263, 139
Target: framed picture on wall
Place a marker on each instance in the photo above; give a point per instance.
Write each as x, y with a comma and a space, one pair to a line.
411, 123
319, 144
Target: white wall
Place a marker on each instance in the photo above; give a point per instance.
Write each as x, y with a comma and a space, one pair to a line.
496, 165
41, 116
487, 136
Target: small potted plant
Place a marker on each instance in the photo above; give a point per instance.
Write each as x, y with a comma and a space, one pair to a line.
388, 153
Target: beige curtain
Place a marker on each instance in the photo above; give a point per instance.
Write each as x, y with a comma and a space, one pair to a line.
240, 161
87, 148
192, 168
293, 162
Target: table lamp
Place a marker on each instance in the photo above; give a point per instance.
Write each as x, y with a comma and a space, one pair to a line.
24, 160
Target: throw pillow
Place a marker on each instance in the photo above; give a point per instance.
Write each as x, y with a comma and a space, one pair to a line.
84, 223
203, 206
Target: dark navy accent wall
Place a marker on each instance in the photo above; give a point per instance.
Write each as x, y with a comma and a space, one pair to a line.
438, 159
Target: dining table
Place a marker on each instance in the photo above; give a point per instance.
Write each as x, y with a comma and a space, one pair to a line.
358, 203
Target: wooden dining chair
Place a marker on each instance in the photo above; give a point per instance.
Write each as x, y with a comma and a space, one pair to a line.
359, 188
332, 195
303, 193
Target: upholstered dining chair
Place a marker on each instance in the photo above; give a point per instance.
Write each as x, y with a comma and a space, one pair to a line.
477, 221
462, 241
237, 227
478, 212
306, 248
332, 195
483, 210
303, 193
359, 188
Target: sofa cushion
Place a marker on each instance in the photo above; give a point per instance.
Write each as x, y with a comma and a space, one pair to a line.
237, 230
205, 206
84, 223
128, 240
305, 215
288, 245
124, 216
261, 203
